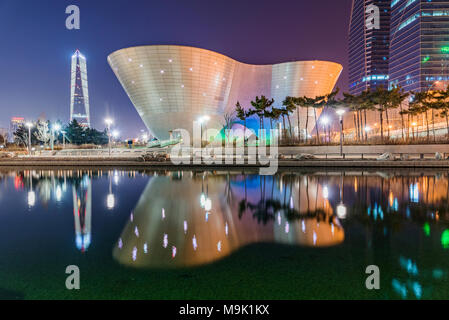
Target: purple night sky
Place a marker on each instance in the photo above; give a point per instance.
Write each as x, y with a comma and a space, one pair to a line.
36, 47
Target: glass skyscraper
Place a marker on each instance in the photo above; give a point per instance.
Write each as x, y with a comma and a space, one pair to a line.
419, 51
79, 90
368, 49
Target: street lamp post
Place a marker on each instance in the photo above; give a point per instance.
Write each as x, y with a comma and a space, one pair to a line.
29, 125
108, 123
340, 113
55, 127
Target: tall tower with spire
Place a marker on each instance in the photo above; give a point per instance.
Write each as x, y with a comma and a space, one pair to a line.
79, 90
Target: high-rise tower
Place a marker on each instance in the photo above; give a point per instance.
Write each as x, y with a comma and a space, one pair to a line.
368, 47
419, 52
79, 92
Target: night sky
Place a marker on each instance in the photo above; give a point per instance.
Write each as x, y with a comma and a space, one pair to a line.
36, 47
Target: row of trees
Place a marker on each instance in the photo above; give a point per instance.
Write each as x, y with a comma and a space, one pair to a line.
424, 105
264, 108
74, 133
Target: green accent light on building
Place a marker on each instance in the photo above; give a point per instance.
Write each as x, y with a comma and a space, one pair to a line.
445, 49
426, 229
425, 59
445, 239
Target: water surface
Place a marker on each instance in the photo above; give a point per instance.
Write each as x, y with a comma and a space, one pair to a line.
223, 234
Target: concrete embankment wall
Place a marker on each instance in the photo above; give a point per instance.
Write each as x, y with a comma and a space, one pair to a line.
371, 149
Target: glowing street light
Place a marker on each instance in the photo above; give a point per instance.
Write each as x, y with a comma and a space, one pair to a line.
367, 129
325, 120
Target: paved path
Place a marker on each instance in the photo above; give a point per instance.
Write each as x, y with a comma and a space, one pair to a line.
129, 162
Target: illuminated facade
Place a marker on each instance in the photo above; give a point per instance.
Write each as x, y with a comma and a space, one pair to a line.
419, 53
171, 87
79, 90
368, 49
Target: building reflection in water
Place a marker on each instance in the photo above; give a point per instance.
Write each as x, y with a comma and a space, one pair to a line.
206, 217
82, 211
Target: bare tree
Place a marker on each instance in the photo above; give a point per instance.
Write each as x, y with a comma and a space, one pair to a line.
229, 119
42, 133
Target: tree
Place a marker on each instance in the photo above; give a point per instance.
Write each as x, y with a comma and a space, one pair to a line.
321, 102
42, 132
21, 136
350, 102
444, 113
229, 119
381, 99
397, 97
419, 105
76, 133
242, 115
308, 103
261, 106
289, 107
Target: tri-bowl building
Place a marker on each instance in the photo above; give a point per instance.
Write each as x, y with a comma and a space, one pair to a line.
172, 86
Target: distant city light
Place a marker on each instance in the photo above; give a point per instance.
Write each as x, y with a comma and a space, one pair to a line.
367, 129
445, 49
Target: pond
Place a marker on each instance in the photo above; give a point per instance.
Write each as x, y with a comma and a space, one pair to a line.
223, 234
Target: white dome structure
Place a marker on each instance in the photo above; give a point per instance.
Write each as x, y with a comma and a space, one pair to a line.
172, 87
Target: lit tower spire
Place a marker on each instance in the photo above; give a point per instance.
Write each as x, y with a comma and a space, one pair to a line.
79, 92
